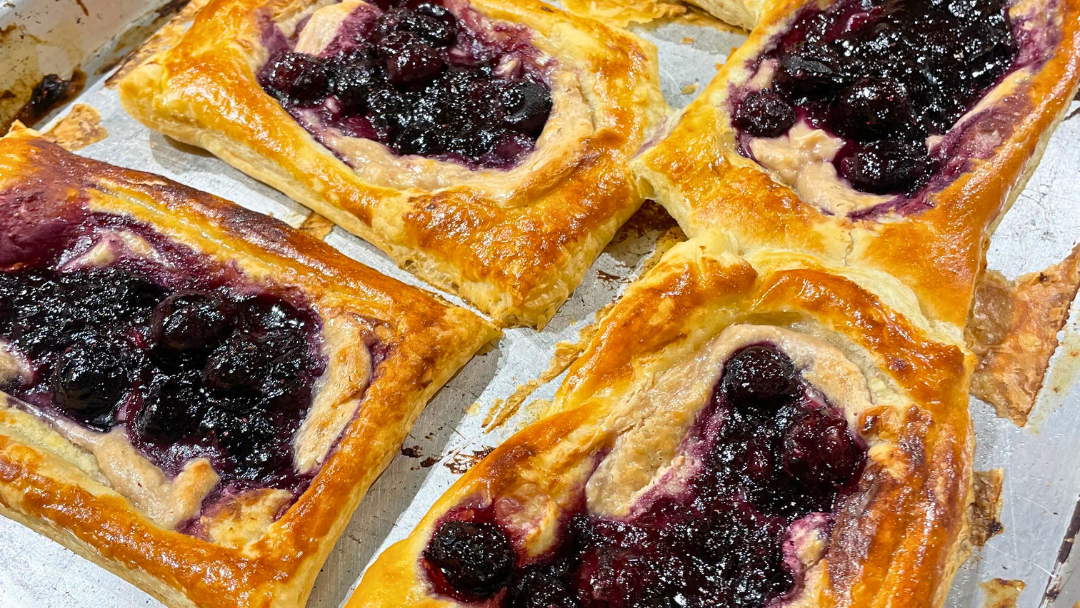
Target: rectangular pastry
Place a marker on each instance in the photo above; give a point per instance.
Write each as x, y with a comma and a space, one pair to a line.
886, 135
483, 145
768, 431
196, 396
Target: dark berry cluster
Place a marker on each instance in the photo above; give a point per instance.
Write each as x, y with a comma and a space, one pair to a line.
189, 371
883, 75
779, 455
420, 82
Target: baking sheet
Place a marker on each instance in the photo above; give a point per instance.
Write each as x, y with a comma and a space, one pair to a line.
1042, 481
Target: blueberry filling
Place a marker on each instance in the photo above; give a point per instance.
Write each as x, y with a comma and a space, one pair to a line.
884, 76
474, 558
421, 81
188, 357
777, 454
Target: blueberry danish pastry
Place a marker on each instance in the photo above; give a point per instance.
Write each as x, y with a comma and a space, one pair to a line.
483, 145
195, 396
885, 134
751, 432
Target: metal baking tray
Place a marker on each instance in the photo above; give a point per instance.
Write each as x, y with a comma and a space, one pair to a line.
1040, 511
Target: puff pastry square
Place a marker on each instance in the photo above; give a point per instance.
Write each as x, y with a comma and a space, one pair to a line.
196, 518
514, 241
789, 189
611, 498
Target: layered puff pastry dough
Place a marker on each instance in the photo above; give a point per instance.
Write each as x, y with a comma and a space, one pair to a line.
937, 249
388, 348
618, 430
513, 242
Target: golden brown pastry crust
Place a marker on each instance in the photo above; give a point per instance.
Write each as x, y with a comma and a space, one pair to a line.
516, 259
698, 175
47, 483
896, 542
621, 13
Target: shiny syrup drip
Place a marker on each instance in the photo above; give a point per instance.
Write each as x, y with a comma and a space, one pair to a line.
190, 359
412, 76
777, 454
883, 75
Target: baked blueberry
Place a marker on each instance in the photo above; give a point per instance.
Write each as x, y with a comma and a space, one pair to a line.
811, 73
436, 25
509, 147
819, 450
409, 59
297, 78
190, 321
888, 166
240, 365
475, 559
435, 11
543, 586
872, 109
527, 106
172, 409
764, 114
759, 378
354, 83
90, 378
250, 438
9, 288
420, 139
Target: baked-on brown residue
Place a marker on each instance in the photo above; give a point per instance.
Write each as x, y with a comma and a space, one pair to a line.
80, 128
986, 510
1013, 330
49, 94
460, 463
1001, 593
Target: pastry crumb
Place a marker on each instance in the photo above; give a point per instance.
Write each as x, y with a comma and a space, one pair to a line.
690, 89
1013, 330
1001, 593
986, 509
317, 226
80, 128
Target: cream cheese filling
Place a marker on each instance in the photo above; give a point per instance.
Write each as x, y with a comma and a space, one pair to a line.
11, 364
653, 421
649, 455
563, 138
169, 502
802, 158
